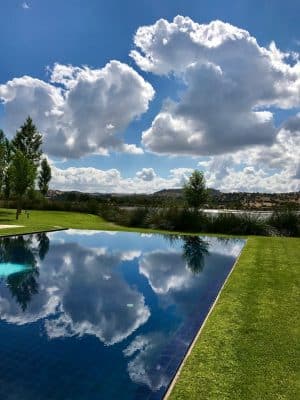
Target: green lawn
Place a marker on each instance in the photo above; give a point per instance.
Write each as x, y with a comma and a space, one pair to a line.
249, 347
49, 220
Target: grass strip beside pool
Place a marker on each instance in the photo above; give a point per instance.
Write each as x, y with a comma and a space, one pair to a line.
249, 347
50, 220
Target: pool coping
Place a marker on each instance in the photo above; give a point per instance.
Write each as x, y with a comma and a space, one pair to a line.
198, 334
33, 232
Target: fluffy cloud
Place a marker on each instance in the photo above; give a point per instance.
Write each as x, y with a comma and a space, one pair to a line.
231, 82
81, 110
111, 181
165, 271
264, 169
146, 174
140, 368
108, 318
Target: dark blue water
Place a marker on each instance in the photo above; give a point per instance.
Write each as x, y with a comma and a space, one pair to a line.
96, 315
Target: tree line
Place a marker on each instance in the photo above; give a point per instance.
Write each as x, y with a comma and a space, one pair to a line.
22, 165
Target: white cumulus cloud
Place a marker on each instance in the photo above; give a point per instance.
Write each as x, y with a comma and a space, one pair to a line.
81, 110
272, 168
146, 174
230, 84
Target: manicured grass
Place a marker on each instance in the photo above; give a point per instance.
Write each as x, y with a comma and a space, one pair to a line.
250, 345
49, 220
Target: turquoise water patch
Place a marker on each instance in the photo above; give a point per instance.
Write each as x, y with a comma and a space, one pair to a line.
7, 269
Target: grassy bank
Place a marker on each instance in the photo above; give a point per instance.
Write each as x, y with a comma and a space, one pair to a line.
249, 347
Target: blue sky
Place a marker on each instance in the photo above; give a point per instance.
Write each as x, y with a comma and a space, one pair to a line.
36, 34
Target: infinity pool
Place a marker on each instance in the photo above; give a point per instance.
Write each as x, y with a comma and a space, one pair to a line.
90, 315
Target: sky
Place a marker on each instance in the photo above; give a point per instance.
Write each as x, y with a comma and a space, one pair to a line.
132, 96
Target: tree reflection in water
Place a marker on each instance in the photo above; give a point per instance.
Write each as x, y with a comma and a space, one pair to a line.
44, 244
23, 285
20, 250
194, 249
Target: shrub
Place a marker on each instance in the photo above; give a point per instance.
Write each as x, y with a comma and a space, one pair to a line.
176, 219
237, 224
286, 222
138, 217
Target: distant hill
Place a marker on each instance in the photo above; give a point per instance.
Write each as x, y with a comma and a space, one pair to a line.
169, 192
179, 192
217, 199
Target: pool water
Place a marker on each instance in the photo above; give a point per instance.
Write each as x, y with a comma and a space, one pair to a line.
88, 315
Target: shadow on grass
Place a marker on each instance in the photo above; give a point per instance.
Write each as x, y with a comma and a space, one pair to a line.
6, 216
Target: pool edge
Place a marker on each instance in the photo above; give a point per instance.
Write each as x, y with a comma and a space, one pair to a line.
33, 233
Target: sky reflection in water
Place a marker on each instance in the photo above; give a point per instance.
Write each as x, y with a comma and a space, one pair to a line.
103, 314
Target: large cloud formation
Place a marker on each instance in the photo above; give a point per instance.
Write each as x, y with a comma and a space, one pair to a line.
81, 110
231, 83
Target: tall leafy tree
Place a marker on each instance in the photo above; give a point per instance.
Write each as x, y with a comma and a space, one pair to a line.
2, 158
23, 173
28, 141
195, 191
25, 160
5, 156
44, 177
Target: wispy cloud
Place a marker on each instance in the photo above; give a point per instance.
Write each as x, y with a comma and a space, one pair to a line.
25, 5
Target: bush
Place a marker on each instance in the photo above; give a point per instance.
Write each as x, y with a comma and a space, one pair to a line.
286, 222
237, 224
186, 220
138, 217
176, 219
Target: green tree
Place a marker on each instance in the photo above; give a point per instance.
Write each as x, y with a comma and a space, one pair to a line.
195, 191
7, 183
2, 158
29, 141
23, 173
44, 177
5, 156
